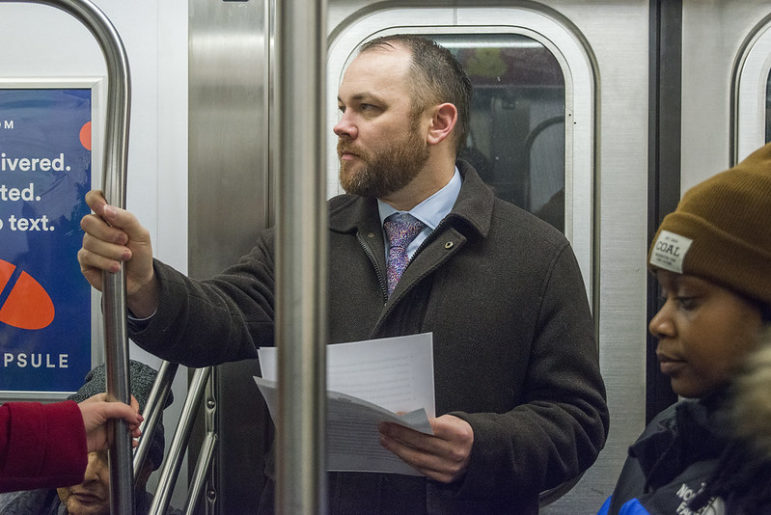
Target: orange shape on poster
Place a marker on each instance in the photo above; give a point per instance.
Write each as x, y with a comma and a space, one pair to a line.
28, 306
85, 136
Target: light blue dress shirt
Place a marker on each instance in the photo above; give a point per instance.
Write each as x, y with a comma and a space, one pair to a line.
431, 211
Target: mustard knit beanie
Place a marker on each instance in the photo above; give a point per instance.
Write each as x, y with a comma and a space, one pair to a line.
721, 230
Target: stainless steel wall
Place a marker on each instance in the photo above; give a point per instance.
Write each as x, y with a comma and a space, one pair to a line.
229, 201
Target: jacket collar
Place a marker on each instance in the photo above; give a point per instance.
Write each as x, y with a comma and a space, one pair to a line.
691, 434
474, 207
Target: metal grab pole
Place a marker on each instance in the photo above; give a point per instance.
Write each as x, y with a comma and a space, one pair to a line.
170, 470
114, 186
301, 257
156, 402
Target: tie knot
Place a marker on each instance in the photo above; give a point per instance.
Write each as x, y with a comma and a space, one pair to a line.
401, 229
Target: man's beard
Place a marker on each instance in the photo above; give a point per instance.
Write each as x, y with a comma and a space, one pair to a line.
386, 171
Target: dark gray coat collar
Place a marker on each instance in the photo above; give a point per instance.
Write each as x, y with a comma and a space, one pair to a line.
474, 208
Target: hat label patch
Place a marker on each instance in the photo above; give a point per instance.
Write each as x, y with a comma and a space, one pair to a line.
669, 251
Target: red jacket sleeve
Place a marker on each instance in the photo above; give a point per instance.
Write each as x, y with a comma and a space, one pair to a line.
41, 445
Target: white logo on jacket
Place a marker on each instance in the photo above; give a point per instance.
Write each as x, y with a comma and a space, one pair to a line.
715, 506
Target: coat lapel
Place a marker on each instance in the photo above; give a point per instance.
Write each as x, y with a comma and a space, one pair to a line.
471, 216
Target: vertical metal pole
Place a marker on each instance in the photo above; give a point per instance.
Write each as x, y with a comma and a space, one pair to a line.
301, 256
114, 186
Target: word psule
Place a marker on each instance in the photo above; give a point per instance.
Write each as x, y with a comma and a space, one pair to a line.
35, 360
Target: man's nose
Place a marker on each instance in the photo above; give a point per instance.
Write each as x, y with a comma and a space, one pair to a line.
345, 128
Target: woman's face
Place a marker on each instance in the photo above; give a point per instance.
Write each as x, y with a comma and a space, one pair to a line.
704, 332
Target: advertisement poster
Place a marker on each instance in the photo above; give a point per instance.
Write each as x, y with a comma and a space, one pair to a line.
45, 303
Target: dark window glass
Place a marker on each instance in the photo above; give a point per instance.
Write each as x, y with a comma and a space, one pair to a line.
768, 108
517, 136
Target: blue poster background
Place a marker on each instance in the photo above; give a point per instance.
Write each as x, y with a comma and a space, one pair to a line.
44, 124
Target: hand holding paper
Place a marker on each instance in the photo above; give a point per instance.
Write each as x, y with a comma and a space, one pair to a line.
368, 383
443, 456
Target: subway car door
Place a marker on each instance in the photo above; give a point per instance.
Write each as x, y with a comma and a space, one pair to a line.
559, 126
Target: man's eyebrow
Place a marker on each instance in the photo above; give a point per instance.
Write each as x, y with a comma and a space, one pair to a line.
363, 96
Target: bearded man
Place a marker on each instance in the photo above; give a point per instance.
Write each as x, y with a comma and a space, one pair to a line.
419, 244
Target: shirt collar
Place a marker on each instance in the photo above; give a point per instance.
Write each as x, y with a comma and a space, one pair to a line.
432, 210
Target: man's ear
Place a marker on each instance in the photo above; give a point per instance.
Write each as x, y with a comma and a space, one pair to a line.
443, 120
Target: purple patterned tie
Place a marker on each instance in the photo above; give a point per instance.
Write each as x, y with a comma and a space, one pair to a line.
401, 229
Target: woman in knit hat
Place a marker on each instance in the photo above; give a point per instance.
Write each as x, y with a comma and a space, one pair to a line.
712, 259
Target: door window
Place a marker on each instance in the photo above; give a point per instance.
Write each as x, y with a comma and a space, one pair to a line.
517, 129
768, 108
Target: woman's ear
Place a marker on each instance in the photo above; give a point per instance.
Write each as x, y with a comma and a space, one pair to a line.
443, 120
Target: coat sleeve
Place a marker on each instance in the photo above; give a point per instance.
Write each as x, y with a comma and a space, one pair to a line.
225, 318
561, 424
41, 445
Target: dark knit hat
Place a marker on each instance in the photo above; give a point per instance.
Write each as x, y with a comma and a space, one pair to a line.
721, 231
141, 379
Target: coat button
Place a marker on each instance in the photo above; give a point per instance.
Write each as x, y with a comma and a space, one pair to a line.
448, 245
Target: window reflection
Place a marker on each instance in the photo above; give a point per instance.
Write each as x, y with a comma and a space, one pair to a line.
517, 130
768, 108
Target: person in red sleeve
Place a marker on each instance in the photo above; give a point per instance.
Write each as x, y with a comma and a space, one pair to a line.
47, 445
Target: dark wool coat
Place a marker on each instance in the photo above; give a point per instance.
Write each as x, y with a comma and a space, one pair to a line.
514, 347
41, 445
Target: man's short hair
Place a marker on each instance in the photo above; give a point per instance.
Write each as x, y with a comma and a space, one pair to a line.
437, 77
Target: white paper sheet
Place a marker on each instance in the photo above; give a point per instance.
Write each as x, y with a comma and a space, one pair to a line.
368, 382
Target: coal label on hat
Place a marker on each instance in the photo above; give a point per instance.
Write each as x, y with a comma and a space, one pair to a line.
669, 251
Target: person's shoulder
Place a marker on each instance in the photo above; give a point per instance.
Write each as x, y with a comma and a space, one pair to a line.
518, 221
342, 202
347, 212
480, 206
505, 209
